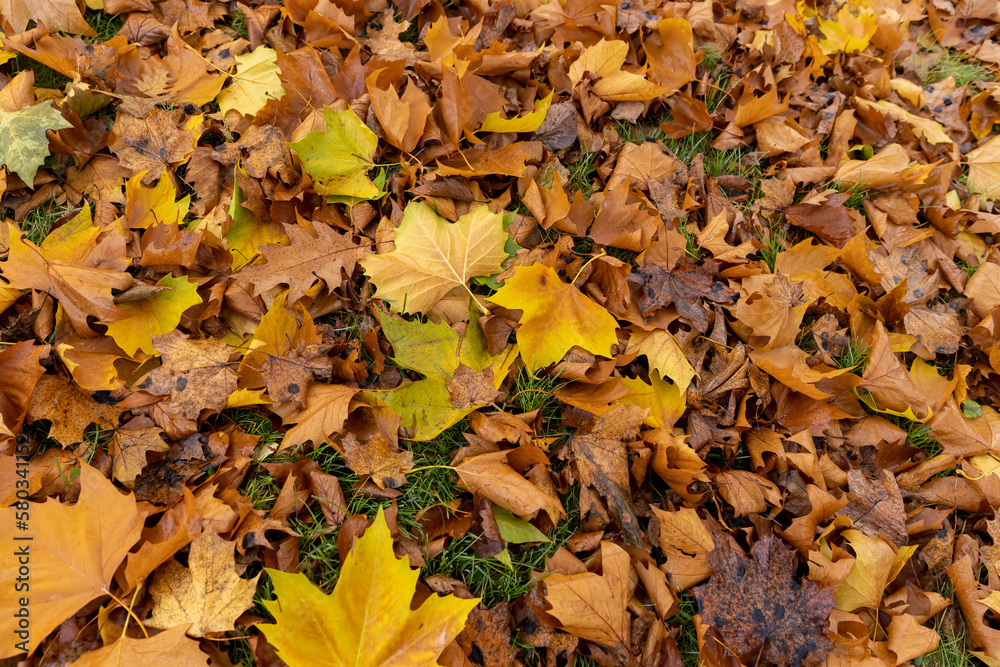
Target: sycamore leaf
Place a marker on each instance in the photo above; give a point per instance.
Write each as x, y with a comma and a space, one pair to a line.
145, 207
378, 460
851, 31
156, 314
490, 475
436, 351
432, 256
556, 316
208, 595
307, 257
170, 648
367, 621
664, 355
878, 562
594, 606
256, 80
605, 61
128, 449
338, 159
984, 169
75, 551
23, 144
517, 531
529, 122
326, 410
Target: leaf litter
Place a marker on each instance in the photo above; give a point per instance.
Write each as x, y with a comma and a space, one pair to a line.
500, 333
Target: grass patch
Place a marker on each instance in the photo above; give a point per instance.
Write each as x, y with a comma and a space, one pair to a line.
774, 239
957, 65
238, 24
38, 223
918, 435
583, 172
687, 637
858, 194
105, 25
855, 357
490, 578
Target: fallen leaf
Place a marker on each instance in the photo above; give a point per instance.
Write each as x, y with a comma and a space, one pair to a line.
594, 606
378, 460
339, 158
432, 256
74, 552
754, 602
370, 607
557, 316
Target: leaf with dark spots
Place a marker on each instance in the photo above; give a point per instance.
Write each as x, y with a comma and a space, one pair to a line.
755, 603
685, 287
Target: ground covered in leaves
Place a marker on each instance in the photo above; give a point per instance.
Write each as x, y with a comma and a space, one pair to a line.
499, 333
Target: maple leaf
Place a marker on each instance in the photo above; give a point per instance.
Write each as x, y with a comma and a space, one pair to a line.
308, 257
325, 411
557, 316
128, 449
605, 60
755, 602
256, 80
21, 369
984, 169
158, 313
75, 550
851, 31
594, 606
436, 351
529, 122
167, 649
878, 563
602, 458
684, 287
367, 620
491, 475
339, 158
432, 256
377, 459
23, 144
71, 410
195, 375
207, 595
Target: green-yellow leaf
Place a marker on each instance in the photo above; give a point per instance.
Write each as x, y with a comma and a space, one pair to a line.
23, 144
556, 316
515, 530
156, 314
338, 159
433, 256
256, 80
435, 351
367, 620
529, 122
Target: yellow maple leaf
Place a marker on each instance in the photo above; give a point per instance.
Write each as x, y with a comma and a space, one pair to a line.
606, 60
984, 169
851, 31
878, 562
432, 256
145, 207
556, 316
256, 80
158, 313
208, 595
338, 159
367, 620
